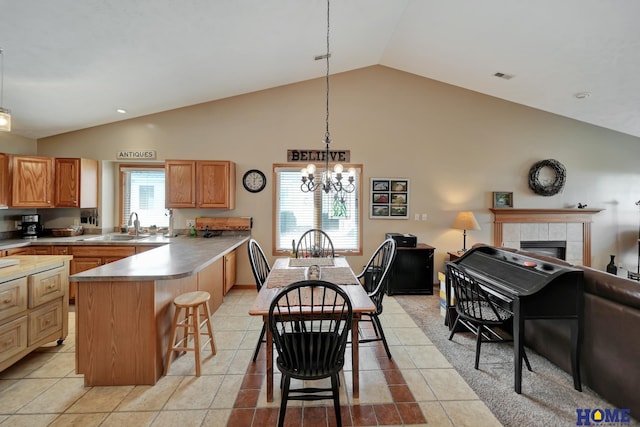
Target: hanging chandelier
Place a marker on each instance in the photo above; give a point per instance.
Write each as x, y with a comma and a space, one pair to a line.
5, 115
327, 181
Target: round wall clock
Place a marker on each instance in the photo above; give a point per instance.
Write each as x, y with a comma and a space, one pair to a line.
254, 181
547, 177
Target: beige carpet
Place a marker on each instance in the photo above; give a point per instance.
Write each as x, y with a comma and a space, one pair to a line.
548, 397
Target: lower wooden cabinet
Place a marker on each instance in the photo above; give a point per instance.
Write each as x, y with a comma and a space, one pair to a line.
34, 308
229, 270
86, 257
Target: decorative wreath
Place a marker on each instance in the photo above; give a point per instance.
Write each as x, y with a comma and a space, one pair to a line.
547, 189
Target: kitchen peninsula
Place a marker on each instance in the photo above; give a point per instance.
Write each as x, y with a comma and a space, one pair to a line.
124, 309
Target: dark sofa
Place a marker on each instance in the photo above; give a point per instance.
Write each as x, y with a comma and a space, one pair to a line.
610, 351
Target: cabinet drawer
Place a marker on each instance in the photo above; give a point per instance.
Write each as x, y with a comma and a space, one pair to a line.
102, 251
13, 338
47, 285
45, 321
13, 297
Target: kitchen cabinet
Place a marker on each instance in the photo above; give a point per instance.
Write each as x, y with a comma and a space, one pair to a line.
412, 271
4, 180
76, 183
201, 184
229, 270
88, 257
34, 309
31, 181
25, 250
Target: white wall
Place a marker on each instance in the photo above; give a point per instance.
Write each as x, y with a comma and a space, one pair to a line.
456, 147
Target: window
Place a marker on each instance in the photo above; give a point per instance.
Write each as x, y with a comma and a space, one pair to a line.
142, 192
338, 214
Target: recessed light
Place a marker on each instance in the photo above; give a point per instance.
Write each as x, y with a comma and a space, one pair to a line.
121, 110
582, 95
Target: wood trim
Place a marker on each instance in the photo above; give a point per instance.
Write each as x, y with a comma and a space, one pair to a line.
562, 215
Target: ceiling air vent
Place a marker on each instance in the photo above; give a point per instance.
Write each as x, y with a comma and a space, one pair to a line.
504, 76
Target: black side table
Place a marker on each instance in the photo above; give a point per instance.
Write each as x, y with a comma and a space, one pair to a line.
412, 271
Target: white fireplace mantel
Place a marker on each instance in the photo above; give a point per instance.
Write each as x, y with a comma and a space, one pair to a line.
563, 215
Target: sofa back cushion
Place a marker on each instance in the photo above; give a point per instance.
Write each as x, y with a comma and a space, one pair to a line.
611, 287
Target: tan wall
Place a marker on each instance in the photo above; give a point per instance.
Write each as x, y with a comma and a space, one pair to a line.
456, 147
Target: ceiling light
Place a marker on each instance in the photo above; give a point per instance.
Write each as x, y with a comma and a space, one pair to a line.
5, 114
121, 110
582, 95
327, 181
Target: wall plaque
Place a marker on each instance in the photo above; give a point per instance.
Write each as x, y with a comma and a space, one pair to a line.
318, 156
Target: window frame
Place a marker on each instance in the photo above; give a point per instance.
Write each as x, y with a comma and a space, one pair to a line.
121, 184
320, 166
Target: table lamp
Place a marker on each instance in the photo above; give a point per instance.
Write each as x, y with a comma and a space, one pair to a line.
465, 221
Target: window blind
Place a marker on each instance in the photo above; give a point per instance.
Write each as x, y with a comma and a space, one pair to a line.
338, 214
143, 192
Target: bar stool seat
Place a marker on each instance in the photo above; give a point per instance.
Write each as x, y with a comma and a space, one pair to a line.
196, 306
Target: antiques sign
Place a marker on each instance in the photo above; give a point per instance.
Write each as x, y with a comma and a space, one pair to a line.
137, 155
318, 156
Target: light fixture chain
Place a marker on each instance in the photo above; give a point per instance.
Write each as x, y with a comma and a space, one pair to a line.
1, 77
327, 138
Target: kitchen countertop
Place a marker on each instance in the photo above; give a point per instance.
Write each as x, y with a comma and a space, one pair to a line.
85, 239
184, 256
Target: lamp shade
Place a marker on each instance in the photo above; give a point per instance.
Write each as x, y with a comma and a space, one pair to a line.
465, 221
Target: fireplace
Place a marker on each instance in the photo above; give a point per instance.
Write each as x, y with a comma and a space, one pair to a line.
554, 248
573, 226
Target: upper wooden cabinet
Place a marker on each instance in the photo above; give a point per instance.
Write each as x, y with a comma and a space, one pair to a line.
4, 180
76, 183
31, 181
202, 184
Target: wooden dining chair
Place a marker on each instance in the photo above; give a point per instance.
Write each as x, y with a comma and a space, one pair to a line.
261, 269
476, 310
315, 351
374, 278
315, 243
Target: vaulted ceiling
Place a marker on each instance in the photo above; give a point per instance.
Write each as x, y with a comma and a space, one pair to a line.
69, 64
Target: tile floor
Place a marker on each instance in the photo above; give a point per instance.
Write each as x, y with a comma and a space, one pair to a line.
417, 387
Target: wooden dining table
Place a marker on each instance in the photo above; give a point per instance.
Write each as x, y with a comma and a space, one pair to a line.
335, 270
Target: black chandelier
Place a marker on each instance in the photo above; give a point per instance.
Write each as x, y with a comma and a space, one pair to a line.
327, 182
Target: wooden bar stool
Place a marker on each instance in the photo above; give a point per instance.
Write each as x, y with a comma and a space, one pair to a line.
192, 303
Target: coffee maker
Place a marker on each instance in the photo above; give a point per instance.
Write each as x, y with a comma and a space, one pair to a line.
31, 227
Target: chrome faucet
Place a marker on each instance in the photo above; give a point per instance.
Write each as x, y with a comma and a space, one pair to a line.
136, 222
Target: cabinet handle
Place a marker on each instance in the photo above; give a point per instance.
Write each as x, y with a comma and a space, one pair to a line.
7, 301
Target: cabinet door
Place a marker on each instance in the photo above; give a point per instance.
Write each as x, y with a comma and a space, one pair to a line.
67, 183
79, 264
31, 182
229, 271
4, 180
180, 184
216, 184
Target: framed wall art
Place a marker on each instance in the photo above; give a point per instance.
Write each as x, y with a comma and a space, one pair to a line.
389, 198
502, 199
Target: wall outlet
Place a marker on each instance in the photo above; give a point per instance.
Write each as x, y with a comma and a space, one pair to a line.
191, 223
424, 216
417, 217
18, 225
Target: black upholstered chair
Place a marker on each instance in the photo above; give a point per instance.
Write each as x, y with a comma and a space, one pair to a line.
374, 278
260, 267
315, 351
315, 243
476, 310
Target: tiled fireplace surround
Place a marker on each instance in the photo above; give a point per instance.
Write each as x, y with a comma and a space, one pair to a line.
511, 226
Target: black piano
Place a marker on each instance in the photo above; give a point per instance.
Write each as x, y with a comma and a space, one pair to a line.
531, 289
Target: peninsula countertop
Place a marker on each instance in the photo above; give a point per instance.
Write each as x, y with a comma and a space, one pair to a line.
183, 256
